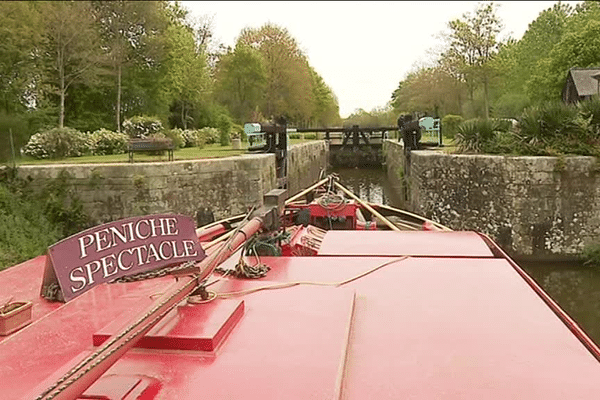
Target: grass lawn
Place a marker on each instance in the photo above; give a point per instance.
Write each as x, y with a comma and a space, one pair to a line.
189, 153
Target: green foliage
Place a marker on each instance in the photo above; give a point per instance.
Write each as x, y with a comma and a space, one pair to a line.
450, 124
551, 129
517, 62
31, 220
25, 232
71, 49
209, 135
288, 88
87, 64
591, 255
238, 131
59, 143
108, 142
241, 81
590, 110
432, 90
477, 135
142, 127
16, 124
193, 138
176, 135
383, 116
224, 125
20, 36
510, 105
187, 84
579, 46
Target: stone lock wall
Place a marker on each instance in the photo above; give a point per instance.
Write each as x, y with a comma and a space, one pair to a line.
540, 207
305, 163
224, 186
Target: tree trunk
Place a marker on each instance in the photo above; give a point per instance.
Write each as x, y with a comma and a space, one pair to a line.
486, 105
183, 116
61, 115
119, 98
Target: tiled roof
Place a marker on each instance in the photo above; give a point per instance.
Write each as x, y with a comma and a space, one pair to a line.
584, 83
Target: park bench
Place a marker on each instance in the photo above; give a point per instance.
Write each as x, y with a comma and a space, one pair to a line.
150, 144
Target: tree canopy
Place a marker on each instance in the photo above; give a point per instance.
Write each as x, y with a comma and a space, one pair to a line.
92, 64
479, 75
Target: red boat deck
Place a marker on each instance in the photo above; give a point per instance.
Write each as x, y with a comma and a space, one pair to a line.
450, 321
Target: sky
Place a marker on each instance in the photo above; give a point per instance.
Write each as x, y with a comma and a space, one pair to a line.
362, 49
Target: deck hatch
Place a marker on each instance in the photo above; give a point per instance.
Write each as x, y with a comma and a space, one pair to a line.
200, 327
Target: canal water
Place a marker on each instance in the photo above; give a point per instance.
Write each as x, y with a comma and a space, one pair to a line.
576, 288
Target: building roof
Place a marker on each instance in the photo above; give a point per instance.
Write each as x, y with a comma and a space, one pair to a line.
584, 80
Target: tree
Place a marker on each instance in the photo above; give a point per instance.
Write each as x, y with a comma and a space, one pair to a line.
19, 40
288, 90
185, 77
326, 108
430, 90
579, 46
130, 32
517, 61
72, 46
241, 81
472, 44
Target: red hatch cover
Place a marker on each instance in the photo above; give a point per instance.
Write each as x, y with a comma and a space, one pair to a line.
200, 327
409, 243
122, 387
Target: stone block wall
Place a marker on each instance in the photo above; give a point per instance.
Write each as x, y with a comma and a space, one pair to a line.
305, 163
539, 207
393, 154
224, 186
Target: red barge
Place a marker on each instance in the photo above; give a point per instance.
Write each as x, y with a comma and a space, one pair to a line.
322, 296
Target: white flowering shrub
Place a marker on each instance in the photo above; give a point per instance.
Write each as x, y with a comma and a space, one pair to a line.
59, 143
176, 135
193, 138
190, 138
210, 135
143, 127
109, 142
36, 147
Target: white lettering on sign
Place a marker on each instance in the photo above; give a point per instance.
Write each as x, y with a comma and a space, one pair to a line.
121, 248
100, 270
104, 239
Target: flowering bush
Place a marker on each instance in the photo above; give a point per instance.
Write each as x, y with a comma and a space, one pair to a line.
194, 138
142, 127
190, 138
176, 135
59, 143
210, 135
108, 142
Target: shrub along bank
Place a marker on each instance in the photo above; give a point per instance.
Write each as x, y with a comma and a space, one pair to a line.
30, 220
60, 143
552, 129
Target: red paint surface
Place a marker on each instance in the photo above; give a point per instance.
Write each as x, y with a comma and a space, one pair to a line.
467, 327
418, 243
22, 283
188, 327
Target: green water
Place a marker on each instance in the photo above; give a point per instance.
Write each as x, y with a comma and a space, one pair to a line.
369, 184
574, 287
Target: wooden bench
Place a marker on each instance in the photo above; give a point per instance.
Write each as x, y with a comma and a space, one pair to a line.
150, 144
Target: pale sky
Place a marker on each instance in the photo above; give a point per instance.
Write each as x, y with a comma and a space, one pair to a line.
362, 49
